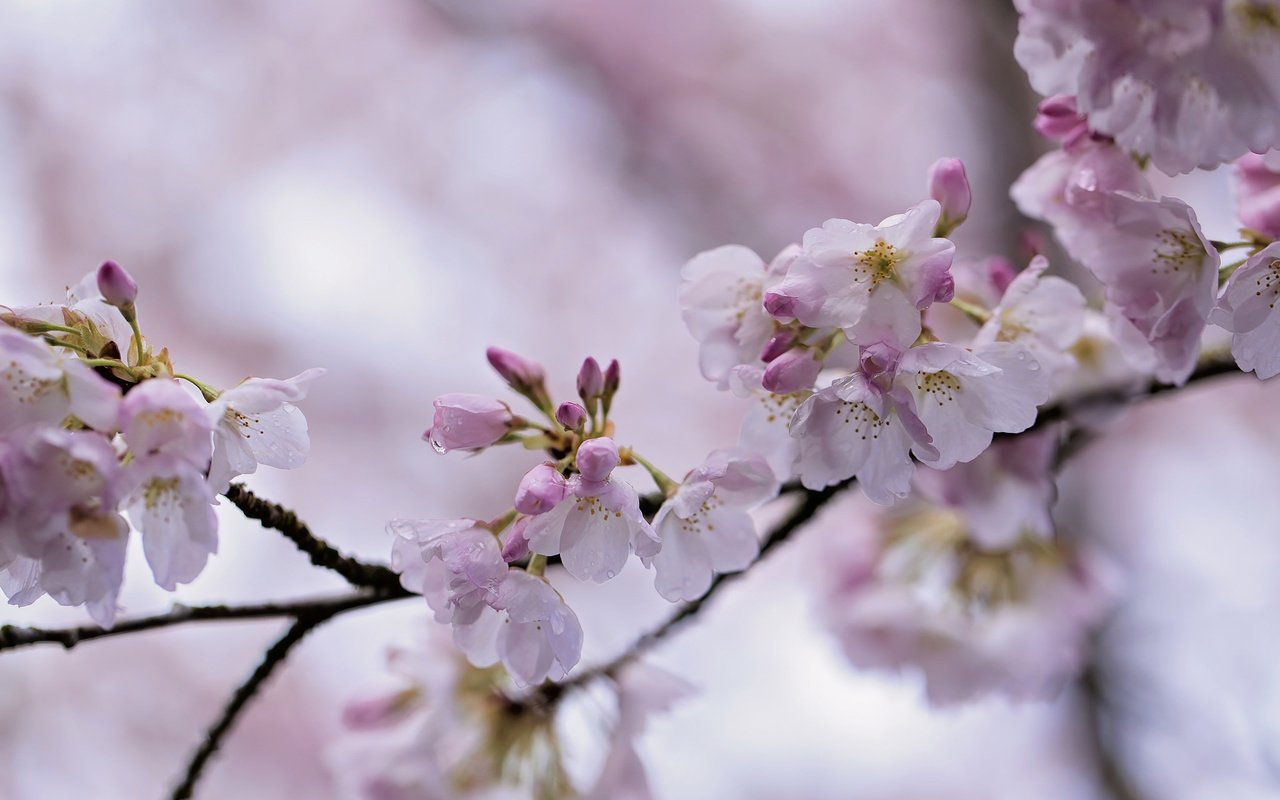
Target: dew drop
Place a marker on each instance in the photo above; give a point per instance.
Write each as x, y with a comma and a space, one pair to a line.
611, 573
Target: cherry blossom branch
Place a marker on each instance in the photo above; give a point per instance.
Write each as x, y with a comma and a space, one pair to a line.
274, 657
322, 554
13, 637
804, 512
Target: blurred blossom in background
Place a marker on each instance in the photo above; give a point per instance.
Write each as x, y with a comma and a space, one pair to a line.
385, 188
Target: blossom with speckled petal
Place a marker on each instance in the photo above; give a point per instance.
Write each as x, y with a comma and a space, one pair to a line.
705, 526
160, 417
847, 269
1042, 312
256, 423
1248, 309
62, 534
764, 428
171, 503
1161, 278
598, 523
41, 385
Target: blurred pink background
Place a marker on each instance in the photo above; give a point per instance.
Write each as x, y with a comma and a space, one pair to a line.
385, 188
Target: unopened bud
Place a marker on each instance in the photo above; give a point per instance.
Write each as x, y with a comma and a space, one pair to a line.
949, 185
540, 490
517, 546
467, 422
779, 344
571, 415
597, 458
590, 381
792, 371
116, 285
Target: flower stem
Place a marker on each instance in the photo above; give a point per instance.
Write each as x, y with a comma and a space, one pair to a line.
537, 565
974, 312
665, 484
210, 393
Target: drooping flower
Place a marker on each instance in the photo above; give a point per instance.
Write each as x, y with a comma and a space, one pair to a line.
169, 499
497, 613
62, 534
43, 386
706, 526
598, 523
1247, 308
1161, 278
1191, 83
257, 423
969, 584
721, 300
468, 422
847, 269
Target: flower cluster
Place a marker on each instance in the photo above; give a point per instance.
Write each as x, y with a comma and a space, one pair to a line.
451, 730
970, 582
1190, 83
95, 425
486, 578
867, 349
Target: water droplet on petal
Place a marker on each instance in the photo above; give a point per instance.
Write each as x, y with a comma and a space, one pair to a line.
611, 573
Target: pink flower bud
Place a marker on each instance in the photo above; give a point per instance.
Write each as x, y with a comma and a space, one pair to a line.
612, 378
467, 422
597, 458
1258, 193
780, 306
517, 546
116, 285
879, 360
949, 185
540, 490
590, 381
522, 374
779, 344
1058, 119
946, 289
571, 415
792, 371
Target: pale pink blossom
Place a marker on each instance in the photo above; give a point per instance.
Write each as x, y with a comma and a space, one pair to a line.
42, 385
861, 426
171, 503
1160, 275
63, 535
706, 527
865, 278
1065, 188
1257, 192
159, 416
1247, 308
721, 300
468, 422
257, 423
1041, 312
964, 396
764, 427
793, 371
968, 584
1191, 83
594, 529
455, 564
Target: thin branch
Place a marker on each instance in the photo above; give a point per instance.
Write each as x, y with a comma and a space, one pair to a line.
321, 553
1111, 776
13, 637
239, 700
